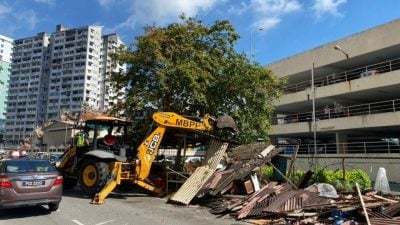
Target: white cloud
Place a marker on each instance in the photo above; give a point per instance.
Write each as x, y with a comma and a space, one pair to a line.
240, 9
4, 9
105, 3
267, 13
321, 7
161, 12
266, 23
276, 7
48, 2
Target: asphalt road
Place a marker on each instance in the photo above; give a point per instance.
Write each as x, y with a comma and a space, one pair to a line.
119, 209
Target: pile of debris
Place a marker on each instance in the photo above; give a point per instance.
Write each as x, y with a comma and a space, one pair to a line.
237, 191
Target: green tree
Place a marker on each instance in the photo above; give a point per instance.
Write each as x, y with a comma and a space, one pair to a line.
191, 68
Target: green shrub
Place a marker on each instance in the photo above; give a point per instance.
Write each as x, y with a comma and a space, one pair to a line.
296, 176
335, 178
268, 171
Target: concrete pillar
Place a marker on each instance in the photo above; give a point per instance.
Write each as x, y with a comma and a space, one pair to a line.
341, 143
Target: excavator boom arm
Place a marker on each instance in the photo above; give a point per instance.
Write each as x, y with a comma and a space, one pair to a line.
170, 119
148, 149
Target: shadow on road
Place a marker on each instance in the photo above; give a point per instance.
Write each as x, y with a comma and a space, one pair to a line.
23, 212
76, 192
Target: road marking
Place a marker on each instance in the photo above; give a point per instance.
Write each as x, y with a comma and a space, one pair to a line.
77, 222
105, 222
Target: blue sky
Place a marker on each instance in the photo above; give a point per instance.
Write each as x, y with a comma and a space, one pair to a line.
288, 26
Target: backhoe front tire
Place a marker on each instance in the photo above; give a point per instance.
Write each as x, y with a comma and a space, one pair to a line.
93, 175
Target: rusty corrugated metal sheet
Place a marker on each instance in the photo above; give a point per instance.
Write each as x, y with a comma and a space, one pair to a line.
260, 206
247, 209
378, 214
392, 209
243, 169
382, 221
217, 177
201, 175
287, 201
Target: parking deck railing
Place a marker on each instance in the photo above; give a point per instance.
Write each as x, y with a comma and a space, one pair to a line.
373, 147
379, 68
340, 111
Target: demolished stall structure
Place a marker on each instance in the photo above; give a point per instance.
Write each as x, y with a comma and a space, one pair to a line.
232, 191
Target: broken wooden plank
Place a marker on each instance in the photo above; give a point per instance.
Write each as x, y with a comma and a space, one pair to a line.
362, 204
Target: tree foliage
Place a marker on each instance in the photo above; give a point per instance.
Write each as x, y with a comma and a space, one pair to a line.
193, 69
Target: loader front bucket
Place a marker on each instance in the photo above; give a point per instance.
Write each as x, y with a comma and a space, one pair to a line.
226, 122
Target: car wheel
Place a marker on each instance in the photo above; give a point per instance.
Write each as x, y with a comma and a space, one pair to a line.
54, 206
93, 176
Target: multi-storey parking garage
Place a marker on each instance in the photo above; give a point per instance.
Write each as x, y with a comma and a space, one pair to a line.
356, 95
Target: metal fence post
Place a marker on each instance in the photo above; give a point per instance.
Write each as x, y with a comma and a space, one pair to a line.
365, 148
394, 107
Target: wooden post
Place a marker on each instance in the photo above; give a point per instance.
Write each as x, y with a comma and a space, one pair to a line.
294, 156
363, 205
344, 172
284, 177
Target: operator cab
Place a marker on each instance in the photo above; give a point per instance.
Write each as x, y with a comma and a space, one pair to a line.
106, 133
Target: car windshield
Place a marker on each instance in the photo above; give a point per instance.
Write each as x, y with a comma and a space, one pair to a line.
55, 157
22, 166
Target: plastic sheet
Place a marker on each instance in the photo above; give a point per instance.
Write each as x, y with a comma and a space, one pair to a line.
325, 190
381, 181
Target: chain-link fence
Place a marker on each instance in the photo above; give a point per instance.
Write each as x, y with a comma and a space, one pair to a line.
369, 163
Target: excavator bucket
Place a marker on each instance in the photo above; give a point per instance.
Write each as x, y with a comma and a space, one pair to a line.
226, 122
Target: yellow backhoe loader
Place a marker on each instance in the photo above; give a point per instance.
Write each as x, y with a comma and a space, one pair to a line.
99, 166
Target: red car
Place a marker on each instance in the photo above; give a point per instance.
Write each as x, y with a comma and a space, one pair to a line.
29, 182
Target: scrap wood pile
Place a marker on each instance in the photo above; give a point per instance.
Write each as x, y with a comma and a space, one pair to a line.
237, 192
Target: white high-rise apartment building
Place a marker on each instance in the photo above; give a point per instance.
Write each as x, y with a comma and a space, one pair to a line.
75, 75
6, 47
27, 85
111, 97
55, 73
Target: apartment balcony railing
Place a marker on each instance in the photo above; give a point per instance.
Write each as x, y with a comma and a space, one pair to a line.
340, 111
379, 68
373, 147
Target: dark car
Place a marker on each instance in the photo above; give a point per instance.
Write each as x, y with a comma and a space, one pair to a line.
29, 182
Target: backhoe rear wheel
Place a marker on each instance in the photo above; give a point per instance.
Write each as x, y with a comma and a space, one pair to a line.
93, 175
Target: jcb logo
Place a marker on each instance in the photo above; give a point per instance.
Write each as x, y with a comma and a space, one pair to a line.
153, 144
187, 123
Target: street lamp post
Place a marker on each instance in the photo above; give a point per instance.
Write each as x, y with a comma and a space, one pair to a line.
251, 45
313, 114
337, 47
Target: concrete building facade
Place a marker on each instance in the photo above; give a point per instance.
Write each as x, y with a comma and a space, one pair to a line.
110, 97
55, 73
6, 46
356, 93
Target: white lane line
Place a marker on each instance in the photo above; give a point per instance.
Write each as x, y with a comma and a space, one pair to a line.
101, 223
77, 222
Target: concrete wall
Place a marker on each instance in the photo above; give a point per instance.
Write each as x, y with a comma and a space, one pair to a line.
370, 165
352, 86
377, 38
337, 124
